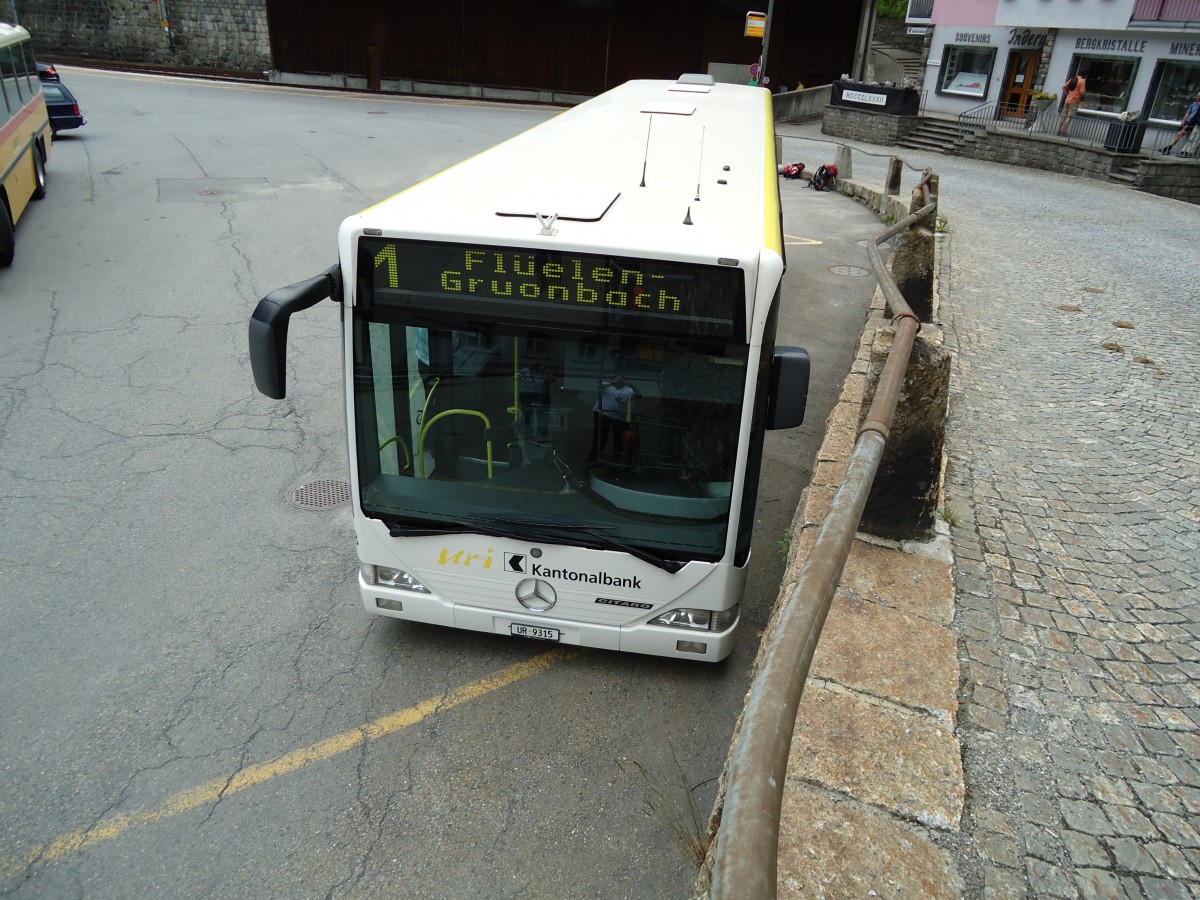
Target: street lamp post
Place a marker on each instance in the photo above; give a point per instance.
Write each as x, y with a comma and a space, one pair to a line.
762, 62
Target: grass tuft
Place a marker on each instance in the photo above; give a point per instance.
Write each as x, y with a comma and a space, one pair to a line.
688, 825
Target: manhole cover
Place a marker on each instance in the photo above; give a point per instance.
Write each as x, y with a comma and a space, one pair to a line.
849, 270
213, 190
320, 493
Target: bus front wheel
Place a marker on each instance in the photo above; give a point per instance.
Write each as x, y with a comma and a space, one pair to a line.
39, 175
8, 237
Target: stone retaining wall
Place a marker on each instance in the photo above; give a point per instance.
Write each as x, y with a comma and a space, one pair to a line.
1170, 178
1166, 177
210, 34
1049, 154
861, 125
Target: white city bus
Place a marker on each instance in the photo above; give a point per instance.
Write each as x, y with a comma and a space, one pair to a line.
560, 361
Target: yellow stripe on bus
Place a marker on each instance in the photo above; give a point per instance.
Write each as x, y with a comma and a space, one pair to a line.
772, 226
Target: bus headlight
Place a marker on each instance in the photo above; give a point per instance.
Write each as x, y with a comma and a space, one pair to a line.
698, 619
386, 576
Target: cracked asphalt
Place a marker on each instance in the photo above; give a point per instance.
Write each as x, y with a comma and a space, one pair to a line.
194, 703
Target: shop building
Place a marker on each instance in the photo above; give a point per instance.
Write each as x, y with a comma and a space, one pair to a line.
1140, 58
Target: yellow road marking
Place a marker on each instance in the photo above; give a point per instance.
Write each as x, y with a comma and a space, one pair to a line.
792, 241
218, 788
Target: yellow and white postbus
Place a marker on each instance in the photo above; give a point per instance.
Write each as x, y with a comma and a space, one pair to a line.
559, 364
25, 136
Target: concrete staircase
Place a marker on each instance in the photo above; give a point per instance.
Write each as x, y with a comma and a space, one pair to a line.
895, 64
938, 136
1127, 174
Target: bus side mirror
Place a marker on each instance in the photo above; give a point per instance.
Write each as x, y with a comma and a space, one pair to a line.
787, 394
269, 326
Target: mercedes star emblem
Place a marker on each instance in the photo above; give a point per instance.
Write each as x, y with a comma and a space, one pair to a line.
535, 594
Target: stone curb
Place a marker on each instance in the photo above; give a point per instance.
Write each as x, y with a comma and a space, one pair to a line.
875, 769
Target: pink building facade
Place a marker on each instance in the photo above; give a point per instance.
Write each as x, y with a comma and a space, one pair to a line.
1138, 56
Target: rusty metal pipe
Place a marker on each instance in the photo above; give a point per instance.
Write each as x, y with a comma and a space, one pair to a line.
748, 841
745, 865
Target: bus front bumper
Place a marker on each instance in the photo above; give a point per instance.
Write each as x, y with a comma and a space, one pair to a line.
653, 640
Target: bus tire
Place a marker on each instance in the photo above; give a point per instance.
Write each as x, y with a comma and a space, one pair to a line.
39, 174
8, 236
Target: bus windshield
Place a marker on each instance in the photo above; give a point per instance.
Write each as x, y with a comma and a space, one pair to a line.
542, 429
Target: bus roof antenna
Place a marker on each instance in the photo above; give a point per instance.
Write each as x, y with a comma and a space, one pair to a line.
646, 157
700, 165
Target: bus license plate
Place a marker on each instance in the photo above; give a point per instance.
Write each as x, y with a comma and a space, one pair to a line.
534, 631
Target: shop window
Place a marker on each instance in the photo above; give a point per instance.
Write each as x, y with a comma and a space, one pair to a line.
1178, 85
1109, 79
966, 70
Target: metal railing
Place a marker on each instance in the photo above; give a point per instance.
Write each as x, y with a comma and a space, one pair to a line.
746, 858
1110, 132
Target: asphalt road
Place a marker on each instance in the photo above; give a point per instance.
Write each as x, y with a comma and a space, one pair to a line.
194, 703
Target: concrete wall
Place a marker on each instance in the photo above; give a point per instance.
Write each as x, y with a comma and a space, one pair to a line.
212, 34
794, 106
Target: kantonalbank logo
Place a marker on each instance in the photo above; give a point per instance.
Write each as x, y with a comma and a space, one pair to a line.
603, 578
519, 563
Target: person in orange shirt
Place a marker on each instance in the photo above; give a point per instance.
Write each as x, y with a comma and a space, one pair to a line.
1075, 89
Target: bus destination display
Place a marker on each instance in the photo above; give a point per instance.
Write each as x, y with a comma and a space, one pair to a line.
582, 281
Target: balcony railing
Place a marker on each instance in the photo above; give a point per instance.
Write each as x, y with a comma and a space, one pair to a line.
919, 10
1174, 12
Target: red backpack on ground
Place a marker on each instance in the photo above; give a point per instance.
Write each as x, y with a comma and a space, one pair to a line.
825, 179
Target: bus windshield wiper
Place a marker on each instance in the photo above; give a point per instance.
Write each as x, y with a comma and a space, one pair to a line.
600, 540
497, 526
607, 542
454, 526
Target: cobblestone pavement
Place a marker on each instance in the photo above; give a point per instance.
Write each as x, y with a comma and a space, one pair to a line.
1074, 485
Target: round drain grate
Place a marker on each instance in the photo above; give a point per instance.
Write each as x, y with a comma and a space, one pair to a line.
849, 270
320, 493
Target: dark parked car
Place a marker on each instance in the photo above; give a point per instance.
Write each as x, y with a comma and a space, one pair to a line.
47, 72
62, 107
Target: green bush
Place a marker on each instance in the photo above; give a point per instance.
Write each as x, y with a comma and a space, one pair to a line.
893, 9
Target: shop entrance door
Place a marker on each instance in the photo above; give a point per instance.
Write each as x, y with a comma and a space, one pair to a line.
1018, 82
